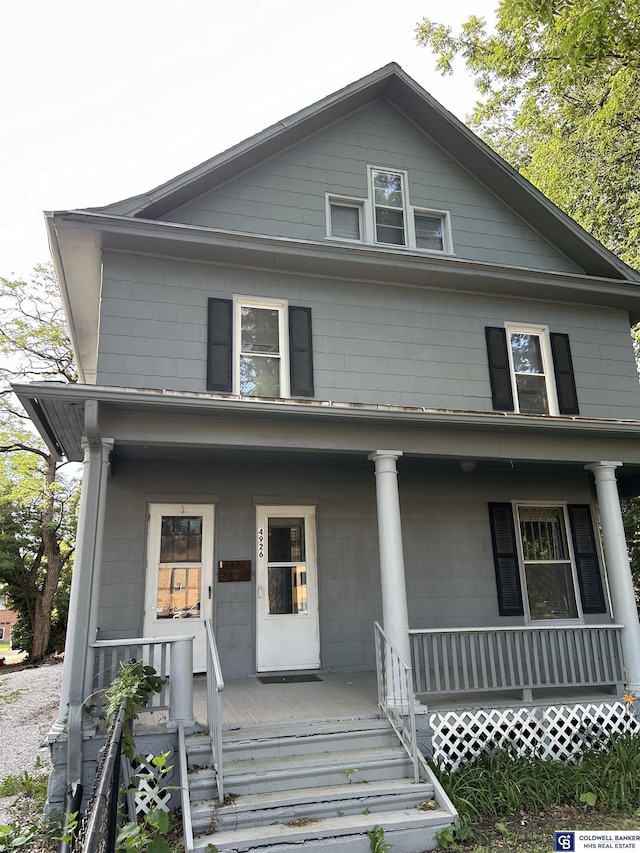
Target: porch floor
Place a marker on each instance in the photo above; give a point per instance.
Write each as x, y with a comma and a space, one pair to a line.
247, 701
354, 695
340, 695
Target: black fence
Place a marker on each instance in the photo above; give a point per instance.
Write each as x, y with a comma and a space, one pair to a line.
107, 804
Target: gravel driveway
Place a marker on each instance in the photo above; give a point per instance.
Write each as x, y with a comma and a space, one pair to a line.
29, 701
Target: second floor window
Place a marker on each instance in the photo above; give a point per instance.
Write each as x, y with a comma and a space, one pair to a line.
261, 338
259, 348
531, 370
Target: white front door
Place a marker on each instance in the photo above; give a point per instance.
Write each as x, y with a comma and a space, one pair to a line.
287, 632
179, 579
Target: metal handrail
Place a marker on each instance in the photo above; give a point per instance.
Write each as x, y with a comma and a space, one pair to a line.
396, 699
215, 686
187, 825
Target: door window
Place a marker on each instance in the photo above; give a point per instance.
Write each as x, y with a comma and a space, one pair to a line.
180, 567
286, 567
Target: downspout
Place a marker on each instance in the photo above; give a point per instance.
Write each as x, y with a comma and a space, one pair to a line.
83, 599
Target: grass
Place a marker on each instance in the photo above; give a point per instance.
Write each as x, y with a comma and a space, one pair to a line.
5, 646
514, 803
7, 697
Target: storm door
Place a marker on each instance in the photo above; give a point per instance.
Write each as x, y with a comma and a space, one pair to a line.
179, 576
287, 632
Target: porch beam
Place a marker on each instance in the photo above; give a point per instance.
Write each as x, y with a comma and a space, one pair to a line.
394, 591
618, 568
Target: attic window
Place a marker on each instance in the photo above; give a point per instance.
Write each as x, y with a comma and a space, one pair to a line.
345, 219
388, 200
386, 217
430, 228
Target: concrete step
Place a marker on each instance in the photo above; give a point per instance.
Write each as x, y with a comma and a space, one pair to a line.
310, 803
408, 830
289, 772
301, 741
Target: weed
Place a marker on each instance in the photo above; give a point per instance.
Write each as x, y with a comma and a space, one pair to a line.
349, 771
34, 787
16, 835
377, 841
446, 837
9, 697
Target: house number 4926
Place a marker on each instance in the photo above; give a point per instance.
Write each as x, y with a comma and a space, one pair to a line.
261, 542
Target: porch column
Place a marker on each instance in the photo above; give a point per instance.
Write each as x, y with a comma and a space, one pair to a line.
394, 591
618, 569
82, 600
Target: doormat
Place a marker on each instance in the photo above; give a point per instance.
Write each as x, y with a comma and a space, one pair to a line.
286, 679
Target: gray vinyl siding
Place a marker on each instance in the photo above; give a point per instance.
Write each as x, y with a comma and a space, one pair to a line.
371, 343
447, 545
285, 196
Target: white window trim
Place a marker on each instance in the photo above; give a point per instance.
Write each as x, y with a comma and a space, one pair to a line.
547, 363
409, 212
447, 239
523, 578
345, 201
283, 338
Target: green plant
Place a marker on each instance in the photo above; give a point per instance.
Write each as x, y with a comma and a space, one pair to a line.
588, 798
34, 787
134, 684
446, 837
145, 836
377, 841
16, 835
349, 771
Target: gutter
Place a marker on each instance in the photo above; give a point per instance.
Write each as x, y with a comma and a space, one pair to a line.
35, 394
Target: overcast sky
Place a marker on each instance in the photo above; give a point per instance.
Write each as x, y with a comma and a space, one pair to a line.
104, 99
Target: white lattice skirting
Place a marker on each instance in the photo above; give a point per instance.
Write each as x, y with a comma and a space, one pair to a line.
553, 731
154, 786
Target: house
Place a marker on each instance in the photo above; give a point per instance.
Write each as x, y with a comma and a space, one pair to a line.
8, 619
354, 370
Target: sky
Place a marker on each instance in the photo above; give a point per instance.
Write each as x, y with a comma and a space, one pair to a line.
104, 99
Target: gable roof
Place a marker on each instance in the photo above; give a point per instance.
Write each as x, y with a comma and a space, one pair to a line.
443, 128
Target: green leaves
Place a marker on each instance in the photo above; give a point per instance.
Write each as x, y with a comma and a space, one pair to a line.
560, 88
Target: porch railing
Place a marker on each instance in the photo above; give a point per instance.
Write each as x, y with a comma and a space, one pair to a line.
395, 695
172, 659
522, 658
215, 686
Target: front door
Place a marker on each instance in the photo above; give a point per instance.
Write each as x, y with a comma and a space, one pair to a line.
287, 633
179, 578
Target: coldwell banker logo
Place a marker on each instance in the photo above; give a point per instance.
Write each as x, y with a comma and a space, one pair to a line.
565, 841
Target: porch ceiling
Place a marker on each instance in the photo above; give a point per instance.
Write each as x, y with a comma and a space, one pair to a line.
172, 425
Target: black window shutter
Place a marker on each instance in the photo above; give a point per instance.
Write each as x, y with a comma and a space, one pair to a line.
505, 556
300, 352
587, 563
219, 344
563, 369
499, 368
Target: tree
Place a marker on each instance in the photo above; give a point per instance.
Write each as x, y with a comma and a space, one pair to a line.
37, 504
559, 82
560, 87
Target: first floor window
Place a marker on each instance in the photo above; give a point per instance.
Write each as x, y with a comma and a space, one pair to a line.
548, 570
546, 561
